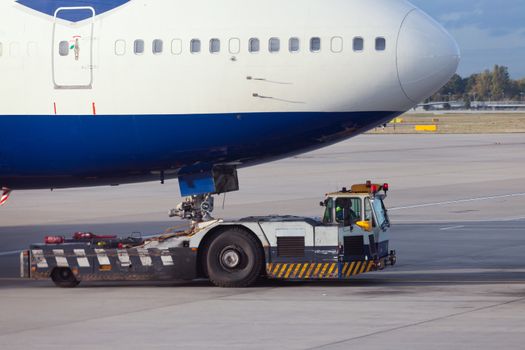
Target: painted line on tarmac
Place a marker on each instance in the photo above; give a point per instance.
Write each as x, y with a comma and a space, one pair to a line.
10, 253
451, 227
458, 201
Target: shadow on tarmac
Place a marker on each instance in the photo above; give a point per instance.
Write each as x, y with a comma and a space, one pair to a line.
372, 280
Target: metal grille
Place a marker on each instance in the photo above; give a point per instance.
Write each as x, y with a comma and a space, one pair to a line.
353, 245
290, 246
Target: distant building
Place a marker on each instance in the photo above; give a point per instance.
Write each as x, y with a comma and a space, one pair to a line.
498, 105
474, 105
440, 106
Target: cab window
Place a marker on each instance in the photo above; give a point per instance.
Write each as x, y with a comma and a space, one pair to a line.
379, 209
356, 208
347, 210
368, 212
329, 206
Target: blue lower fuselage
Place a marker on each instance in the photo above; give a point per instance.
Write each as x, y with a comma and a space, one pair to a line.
74, 151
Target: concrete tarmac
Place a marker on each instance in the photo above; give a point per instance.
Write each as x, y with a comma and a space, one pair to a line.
458, 210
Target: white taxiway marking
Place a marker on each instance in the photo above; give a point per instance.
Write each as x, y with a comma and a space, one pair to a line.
459, 201
451, 227
10, 253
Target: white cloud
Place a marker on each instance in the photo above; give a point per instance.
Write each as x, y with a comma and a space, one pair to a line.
460, 16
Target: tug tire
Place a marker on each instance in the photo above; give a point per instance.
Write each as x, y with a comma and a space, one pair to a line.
234, 258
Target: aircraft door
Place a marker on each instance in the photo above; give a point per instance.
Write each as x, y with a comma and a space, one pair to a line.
72, 55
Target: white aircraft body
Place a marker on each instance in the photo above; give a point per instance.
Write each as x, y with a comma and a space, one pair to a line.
100, 92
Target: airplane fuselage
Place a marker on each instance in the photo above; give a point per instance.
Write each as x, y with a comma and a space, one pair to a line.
106, 92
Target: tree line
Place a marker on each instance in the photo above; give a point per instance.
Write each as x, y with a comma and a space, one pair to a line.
489, 85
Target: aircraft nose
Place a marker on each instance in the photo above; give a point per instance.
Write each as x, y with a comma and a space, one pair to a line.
427, 56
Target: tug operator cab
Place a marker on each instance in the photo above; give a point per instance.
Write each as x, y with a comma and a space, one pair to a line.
364, 219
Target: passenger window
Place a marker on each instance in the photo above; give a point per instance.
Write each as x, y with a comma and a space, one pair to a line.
215, 45
336, 45
274, 45
63, 48
138, 47
158, 46
254, 45
195, 46
293, 45
176, 46
359, 44
120, 47
234, 45
380, 44
315, 44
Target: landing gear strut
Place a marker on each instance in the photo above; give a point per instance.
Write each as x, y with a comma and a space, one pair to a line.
197, 208
199, 184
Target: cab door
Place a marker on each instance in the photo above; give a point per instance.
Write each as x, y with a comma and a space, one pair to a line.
355, 241
72, 48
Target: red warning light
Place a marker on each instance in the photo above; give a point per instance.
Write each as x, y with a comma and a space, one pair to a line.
373, 188
385, 187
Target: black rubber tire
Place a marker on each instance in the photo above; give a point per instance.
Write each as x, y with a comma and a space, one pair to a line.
251, 258
63, 277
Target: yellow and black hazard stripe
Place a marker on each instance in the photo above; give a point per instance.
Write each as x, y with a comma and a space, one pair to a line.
302, 270
317, 270
355, 268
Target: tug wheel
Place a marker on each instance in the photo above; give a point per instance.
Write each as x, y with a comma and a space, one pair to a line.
234, 258
64, 278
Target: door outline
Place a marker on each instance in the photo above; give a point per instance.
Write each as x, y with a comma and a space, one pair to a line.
54, 48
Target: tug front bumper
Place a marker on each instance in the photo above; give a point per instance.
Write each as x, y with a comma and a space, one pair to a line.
328, 270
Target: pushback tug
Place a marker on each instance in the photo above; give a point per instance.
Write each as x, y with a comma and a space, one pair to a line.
350, 239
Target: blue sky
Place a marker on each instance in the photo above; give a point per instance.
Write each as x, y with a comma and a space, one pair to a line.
488, 32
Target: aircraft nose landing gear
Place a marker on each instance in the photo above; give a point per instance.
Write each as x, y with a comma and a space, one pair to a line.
199, 184
197, 208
